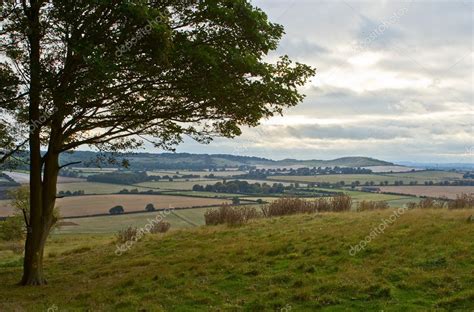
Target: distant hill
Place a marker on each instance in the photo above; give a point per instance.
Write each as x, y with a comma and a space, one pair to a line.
341, 162
148, 161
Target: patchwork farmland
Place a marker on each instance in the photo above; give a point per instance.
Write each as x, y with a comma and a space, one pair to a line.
435, 191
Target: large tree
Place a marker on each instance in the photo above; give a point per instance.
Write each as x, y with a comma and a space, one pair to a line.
112, 74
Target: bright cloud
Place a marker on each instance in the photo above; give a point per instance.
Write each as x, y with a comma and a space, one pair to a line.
394, 81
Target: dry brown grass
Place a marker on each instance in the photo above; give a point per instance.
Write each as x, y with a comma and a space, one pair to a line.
126, 235
227, 214
160, 227
428, 203
368, 205
341, 203
290, 205
463, 201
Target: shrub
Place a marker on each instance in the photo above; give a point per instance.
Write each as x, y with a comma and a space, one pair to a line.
288, 206
341, 202
150, 207
13, 228
427, 203
412, 205
126, 235
463, 201
230, 215
160, 227
368, 205
17, 247
116, 210
236, 201
323, 204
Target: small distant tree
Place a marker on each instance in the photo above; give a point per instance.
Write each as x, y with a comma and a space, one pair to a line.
116, 210
150, 207
14, 228
236, 201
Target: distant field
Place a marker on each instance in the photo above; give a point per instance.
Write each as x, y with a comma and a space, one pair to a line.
378, 169
97, 204
178, 219
97, 188
227, 173
92, 169
205, 194
407, 177
176, 185
85, 172
23, 178
359, 196
431, 191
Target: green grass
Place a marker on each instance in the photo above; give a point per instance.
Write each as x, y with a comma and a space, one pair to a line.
423, 262
205, 194
176, 185
112, 224
420, 177
200, 173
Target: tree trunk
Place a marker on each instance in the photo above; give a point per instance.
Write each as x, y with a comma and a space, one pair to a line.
33, 262
41, 219
37, 231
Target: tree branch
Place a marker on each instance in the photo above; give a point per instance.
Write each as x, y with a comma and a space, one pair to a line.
69, 164
10, 153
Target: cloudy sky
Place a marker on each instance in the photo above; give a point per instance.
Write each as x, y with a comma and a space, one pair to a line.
394, 81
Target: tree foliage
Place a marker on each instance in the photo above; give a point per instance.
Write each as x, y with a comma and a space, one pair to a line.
114, 74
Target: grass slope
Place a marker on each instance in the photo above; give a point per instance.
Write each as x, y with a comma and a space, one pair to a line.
424, 261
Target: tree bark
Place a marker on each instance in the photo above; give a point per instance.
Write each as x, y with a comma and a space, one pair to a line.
37, 228
41, 220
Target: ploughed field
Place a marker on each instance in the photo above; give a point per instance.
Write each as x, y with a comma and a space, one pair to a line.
436, 191
419, 176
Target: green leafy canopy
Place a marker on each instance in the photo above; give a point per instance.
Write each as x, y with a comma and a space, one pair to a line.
114, 74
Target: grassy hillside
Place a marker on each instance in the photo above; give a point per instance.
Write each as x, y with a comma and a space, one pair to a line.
424, 261
341, 162
205, 161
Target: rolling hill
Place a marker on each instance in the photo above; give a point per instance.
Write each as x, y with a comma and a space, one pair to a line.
297, 263
148, 161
